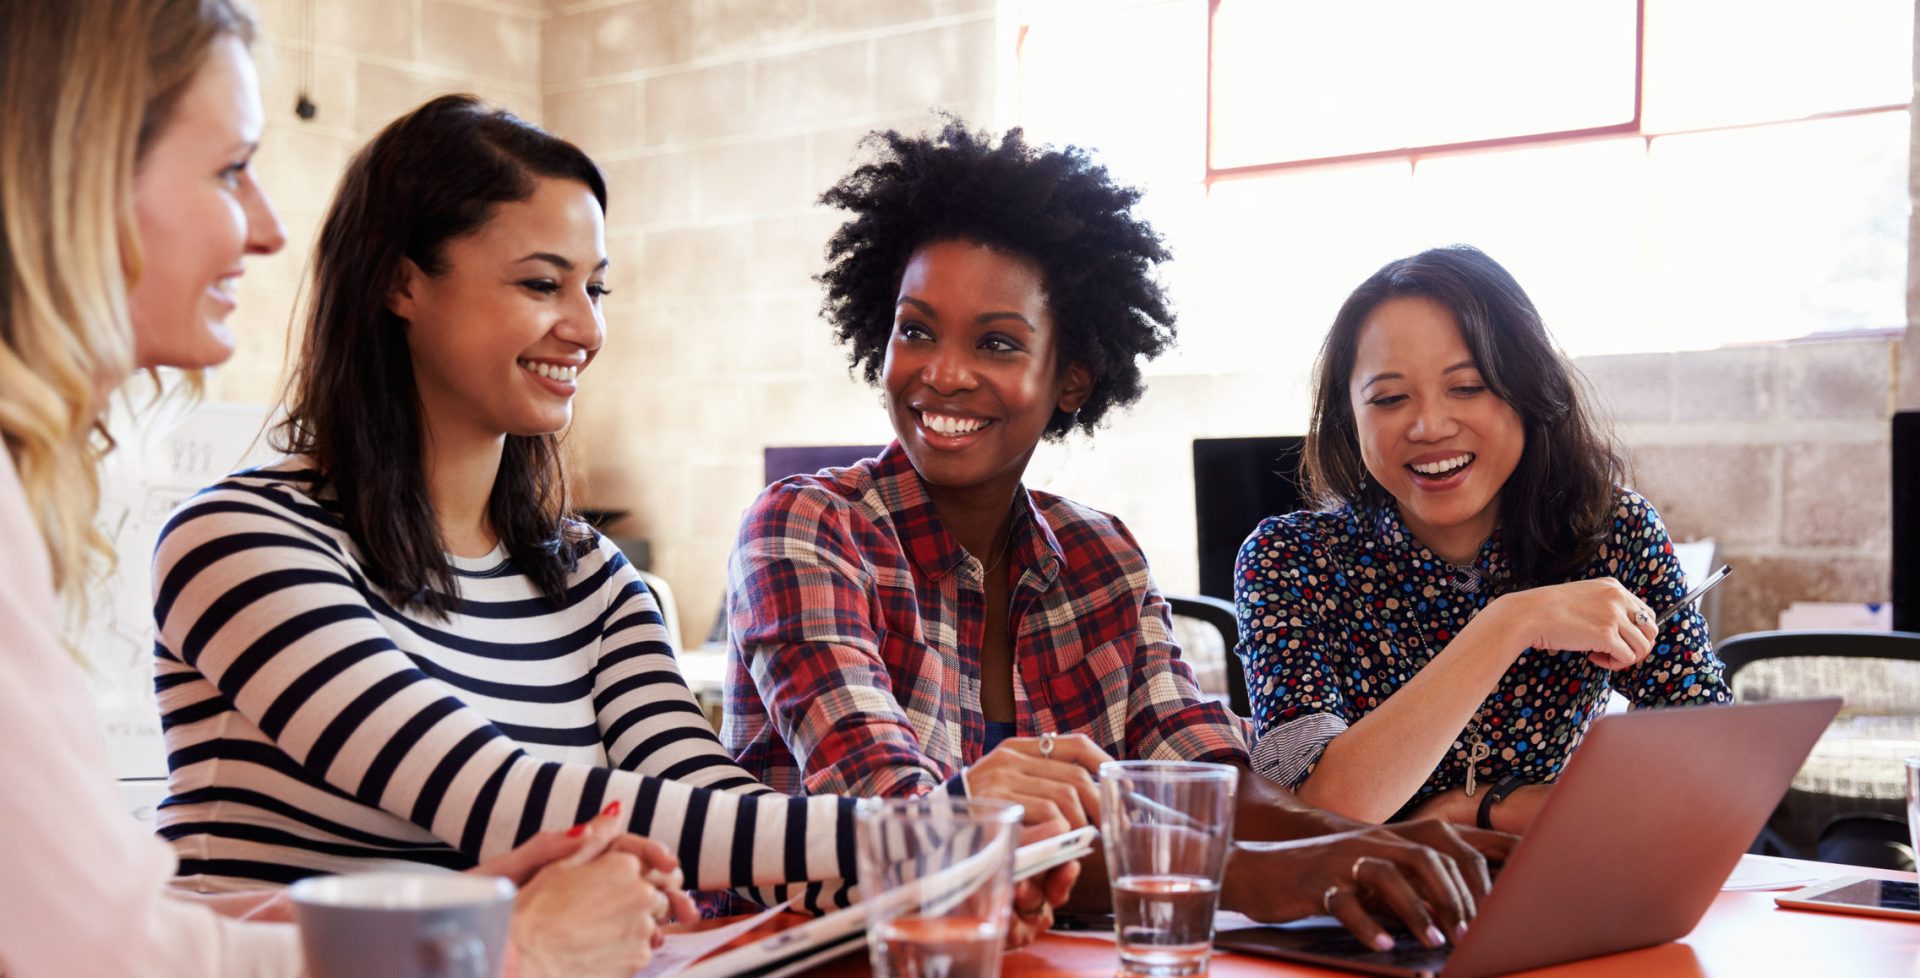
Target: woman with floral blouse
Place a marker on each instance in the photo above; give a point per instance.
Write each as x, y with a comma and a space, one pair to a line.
1436, 639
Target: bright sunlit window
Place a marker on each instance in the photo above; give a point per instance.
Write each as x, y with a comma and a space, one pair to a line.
1673, 174
1299, 81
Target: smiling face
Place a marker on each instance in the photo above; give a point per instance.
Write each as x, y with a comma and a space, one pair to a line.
1431, 433
199, 213
971, 372
500, 335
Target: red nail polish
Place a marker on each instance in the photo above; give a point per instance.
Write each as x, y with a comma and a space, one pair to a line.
613, 808
577, 831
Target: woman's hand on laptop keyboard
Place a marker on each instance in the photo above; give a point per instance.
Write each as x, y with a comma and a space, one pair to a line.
1350, 877
1471, 849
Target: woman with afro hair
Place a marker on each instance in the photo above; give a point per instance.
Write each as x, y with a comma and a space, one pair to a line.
922, 622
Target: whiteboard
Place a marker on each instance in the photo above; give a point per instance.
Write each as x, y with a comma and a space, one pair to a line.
164, 456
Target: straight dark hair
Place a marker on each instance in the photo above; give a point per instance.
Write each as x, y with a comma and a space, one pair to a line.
1557, 506
434, 175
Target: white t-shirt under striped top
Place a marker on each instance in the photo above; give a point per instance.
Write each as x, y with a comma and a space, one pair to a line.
312, 727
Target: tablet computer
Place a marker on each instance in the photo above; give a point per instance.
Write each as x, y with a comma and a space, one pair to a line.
842, 932
1852, 894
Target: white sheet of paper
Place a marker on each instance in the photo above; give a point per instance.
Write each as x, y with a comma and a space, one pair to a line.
1767, 873
681, 950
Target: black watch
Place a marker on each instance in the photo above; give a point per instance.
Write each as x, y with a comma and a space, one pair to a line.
1484, 818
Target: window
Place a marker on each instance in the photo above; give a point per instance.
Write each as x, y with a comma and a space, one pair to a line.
1664, 174
1302, 81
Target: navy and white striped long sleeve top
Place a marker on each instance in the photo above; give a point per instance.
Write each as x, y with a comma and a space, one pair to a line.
312, 727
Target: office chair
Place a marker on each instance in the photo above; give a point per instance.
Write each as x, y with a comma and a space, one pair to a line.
1846, 801
1219, 614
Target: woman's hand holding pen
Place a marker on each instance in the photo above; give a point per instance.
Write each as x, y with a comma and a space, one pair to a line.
1598, 617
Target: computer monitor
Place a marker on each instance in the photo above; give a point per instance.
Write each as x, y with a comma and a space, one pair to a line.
1906, 521
1237, 482
778, 463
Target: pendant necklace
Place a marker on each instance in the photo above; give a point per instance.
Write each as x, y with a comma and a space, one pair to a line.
1477, 751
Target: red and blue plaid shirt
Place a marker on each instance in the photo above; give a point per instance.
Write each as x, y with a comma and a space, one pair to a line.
857, 623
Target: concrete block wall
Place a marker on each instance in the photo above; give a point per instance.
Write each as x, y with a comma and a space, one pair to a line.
1780, 453
371, 60
719, 123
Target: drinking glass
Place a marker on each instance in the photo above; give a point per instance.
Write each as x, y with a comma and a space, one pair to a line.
1168, 827
937, 878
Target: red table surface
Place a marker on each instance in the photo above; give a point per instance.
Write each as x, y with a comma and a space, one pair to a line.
1743, 934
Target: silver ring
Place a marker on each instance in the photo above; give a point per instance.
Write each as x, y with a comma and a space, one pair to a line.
1046, 745
1326, 899
1356, 867
1643, 616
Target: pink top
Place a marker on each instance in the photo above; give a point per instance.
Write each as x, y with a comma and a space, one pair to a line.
82, 888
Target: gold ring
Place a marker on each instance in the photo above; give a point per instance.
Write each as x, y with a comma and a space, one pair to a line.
1356, 867
1046, 745
1326, 899
1033, 912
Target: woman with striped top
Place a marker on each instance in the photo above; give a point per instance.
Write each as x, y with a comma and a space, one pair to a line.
392, 645
127, 130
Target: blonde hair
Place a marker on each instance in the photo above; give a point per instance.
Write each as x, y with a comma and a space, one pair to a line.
85, 88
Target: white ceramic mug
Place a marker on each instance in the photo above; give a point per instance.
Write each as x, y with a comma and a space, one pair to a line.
403, 925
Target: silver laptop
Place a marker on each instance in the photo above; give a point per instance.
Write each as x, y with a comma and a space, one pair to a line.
1651, 814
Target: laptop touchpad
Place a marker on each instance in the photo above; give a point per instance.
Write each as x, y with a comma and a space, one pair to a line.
1333, 945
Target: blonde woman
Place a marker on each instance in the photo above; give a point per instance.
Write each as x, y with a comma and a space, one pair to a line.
126, 211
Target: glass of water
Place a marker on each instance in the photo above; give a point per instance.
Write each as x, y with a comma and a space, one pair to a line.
937, 878
1167, 827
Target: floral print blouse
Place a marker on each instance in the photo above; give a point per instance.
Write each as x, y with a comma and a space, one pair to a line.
1339, 609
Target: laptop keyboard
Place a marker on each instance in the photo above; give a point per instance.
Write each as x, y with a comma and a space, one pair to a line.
1407, 952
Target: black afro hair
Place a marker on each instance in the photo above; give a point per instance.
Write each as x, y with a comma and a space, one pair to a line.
1056, 208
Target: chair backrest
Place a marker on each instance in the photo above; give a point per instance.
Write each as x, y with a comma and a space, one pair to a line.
669, 608
1876, 673
1219, 614
1887, 681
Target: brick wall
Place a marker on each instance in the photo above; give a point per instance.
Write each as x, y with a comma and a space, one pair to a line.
719, 122
371, 60
1778, 452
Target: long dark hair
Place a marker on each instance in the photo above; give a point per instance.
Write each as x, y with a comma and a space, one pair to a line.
431, 176
1557, 506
